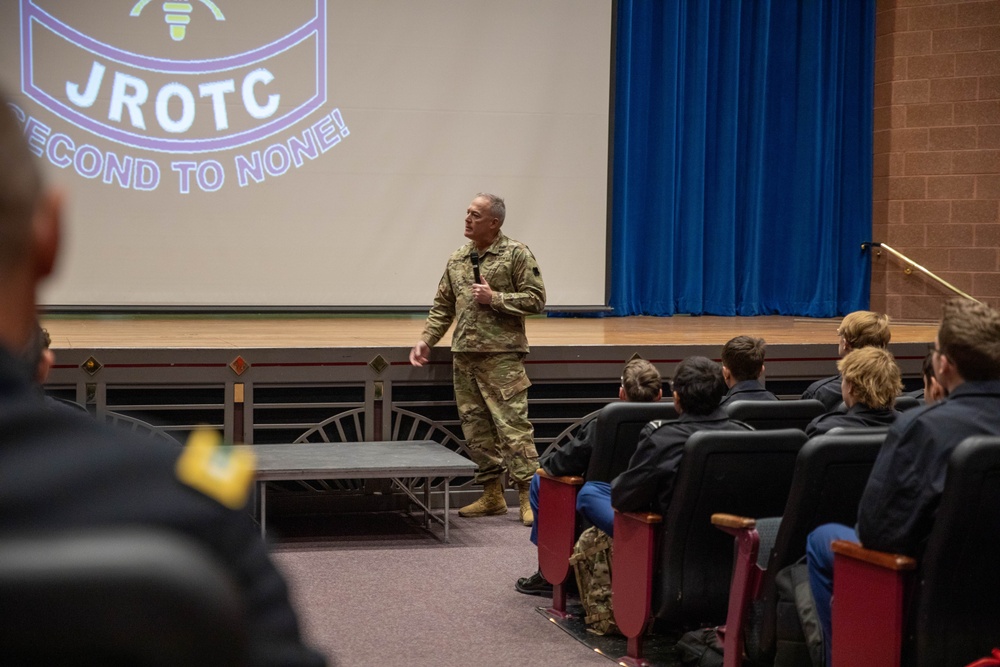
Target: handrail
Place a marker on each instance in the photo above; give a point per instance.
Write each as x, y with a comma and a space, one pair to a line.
896, 253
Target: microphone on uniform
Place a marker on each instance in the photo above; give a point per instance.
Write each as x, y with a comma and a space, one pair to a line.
474, 257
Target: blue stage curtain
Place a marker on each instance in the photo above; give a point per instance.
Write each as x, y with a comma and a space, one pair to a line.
742, 157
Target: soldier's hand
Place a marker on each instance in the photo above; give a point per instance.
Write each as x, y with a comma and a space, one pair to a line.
482, 292
420, 353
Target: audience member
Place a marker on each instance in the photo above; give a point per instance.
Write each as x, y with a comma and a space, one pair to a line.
870, 384
647, 483
742, 366
932, 391
859, 329
61, 471
641, 383
42, 351
898, 505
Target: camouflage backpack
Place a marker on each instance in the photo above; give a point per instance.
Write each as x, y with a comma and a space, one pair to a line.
591, 561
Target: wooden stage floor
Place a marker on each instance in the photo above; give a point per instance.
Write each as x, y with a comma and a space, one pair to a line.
339, 331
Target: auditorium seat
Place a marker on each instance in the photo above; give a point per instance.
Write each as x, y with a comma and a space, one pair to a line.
768, 415
952, 617
685, 581
616, 436
904, 403
831, 472
128, 596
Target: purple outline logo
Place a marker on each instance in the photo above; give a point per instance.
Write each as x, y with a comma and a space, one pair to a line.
310, 35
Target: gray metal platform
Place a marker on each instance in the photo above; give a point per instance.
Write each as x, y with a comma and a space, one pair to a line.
394, 460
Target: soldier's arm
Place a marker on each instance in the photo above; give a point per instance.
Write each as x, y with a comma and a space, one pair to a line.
528, 297
442, 312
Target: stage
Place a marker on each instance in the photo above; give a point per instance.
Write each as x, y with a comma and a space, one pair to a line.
277, 379
390, 331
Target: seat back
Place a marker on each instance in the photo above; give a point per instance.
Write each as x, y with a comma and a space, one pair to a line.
904, 403
115, 597
830, 475
740, 472
958, 597
768, 415
617, 434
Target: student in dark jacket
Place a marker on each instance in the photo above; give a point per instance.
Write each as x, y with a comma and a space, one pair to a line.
859, 329
641, 383
897, 508
870, 383
648, 480
742, 366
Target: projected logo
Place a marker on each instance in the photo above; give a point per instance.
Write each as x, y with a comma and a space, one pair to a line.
179, 79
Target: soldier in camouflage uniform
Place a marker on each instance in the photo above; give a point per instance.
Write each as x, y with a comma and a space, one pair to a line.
488, 346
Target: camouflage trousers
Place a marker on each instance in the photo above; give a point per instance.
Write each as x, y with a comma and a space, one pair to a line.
491, 390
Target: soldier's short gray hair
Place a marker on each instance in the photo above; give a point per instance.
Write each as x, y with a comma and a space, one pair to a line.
498, 209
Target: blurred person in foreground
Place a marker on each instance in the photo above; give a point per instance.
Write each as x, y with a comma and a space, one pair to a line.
65, 472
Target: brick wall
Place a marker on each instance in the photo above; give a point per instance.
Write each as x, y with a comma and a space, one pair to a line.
936, 185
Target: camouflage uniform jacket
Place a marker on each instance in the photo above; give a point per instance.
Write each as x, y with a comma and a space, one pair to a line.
512, 273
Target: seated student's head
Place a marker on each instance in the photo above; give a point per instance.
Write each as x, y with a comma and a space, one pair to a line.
698, 386
863, 328
870, 377
968, 344
933, 391
640, 382
743, 359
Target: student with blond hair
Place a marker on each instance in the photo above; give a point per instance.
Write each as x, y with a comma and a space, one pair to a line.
857, 330
870, 383
897, 509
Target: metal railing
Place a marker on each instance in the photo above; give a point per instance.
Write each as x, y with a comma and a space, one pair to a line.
913, 265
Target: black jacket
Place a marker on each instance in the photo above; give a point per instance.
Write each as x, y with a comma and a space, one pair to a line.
573, 458
898, 506
60, 470
826, 391
648, 482
858, 416
748, 390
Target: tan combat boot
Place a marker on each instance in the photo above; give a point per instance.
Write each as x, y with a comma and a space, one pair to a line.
491, 503
527, 516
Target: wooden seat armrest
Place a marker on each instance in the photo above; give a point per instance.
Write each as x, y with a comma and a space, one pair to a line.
641, 517
571, 480
733, 521
881, 559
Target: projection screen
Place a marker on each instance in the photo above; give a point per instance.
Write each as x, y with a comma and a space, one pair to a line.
311, 153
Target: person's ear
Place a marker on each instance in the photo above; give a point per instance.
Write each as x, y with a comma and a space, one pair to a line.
677, 403
46, 231
622, 396
935, 392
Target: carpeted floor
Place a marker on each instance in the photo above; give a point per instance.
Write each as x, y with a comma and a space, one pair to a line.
376, 590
